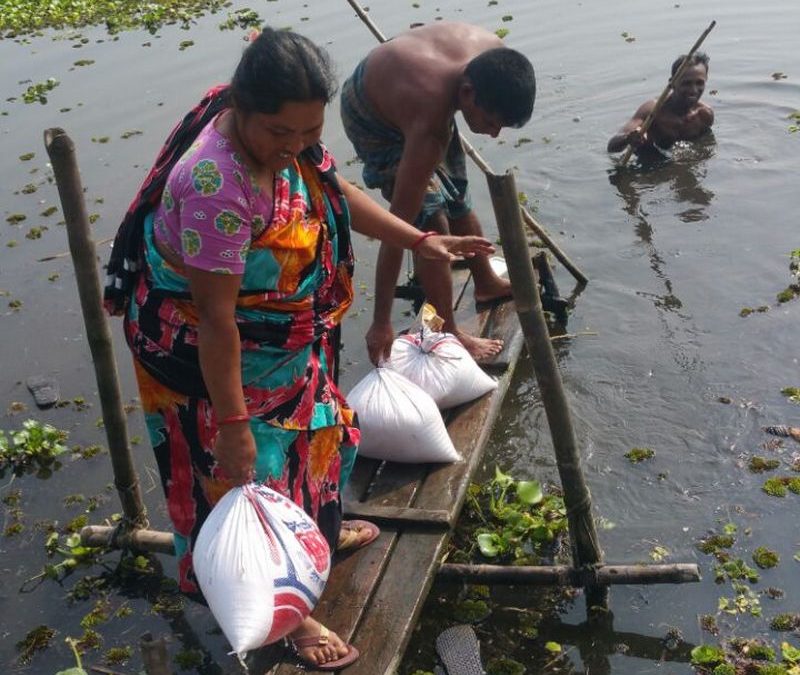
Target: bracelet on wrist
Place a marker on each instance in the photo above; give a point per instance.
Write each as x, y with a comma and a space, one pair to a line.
233, 419
422, 238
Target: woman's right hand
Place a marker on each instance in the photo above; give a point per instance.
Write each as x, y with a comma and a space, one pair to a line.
448, 247
235, 452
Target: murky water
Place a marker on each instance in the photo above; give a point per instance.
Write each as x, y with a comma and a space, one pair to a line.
673, 252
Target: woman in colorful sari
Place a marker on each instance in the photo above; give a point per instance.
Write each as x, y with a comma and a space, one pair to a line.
234, 268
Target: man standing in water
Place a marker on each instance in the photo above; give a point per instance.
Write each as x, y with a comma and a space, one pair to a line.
682, 117
398, 110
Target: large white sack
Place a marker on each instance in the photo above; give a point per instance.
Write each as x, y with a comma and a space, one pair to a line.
398, 420
440, 365
261, 563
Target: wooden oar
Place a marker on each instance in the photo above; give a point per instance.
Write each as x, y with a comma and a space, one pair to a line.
530, 221
672, 80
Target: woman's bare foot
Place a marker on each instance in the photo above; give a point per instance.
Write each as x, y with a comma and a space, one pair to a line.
325, 645
480, 349
495, 288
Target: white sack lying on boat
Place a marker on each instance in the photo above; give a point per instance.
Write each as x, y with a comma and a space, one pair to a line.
261, 563
440, 365
398, 420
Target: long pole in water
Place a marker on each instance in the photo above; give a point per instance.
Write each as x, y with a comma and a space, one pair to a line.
61, 150
538, 230
586, 552
672, 81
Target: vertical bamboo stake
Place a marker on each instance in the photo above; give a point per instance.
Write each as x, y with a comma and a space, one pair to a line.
586, 551
61, 150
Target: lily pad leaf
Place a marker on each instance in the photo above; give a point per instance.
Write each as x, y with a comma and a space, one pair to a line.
707, 655
502, 479
553, 647
488, 544
529, 492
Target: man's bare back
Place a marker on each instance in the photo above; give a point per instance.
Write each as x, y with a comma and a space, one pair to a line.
423, 66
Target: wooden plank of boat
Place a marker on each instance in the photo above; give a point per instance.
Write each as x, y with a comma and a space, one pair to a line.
374, 595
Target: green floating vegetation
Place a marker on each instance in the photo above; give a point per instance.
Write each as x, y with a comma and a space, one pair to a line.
49, 211
733, 570
760, 464
28, 156
777, 487
707, 655
795, 118
785, 622
243, 19
34, 447
503, 665
636, 455
792, 393
117, 656
189, 659
765, 558
83, 62
713, 544
23, 17
36, 640
15, 218
515, 522
37, 93
501, 32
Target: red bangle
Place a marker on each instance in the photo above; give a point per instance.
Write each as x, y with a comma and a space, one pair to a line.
422, 238
233, 419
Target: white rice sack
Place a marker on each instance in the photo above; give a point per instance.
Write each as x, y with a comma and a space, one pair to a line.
261, 563
440, 365
399, 421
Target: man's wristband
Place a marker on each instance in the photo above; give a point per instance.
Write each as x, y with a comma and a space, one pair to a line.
422, 238
233, 419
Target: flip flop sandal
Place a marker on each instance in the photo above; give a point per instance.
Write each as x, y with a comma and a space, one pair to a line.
351, 536
320, 641
44, 390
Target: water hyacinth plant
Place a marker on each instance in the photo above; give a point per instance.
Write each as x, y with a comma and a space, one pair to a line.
32, 448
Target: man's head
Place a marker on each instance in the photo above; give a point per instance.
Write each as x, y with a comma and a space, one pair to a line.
499, 91
692, 84
697, 59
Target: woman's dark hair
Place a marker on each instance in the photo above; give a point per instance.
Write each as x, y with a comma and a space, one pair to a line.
280, 66
504, 84
698, 59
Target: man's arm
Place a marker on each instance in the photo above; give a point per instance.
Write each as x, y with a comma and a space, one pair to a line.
422, 152
629, 133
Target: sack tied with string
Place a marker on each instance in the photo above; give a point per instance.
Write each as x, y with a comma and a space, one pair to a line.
440, 365
262, 564
398, 420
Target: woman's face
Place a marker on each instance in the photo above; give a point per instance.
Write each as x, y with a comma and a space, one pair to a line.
274, 140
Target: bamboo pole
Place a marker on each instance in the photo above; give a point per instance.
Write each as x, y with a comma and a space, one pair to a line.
154, 655
150, 541
61, 150
538, 230
565, 575
672, 80
586, 550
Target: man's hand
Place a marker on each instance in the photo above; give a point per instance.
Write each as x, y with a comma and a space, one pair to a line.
235, 452
637, 138
379, 341
448, 247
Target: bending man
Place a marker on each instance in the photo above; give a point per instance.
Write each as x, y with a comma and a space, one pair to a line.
398, 110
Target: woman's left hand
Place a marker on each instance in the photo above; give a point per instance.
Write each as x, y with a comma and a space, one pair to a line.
448, 247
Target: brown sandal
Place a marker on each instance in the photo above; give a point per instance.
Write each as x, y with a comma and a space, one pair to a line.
351, 536
322, 640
